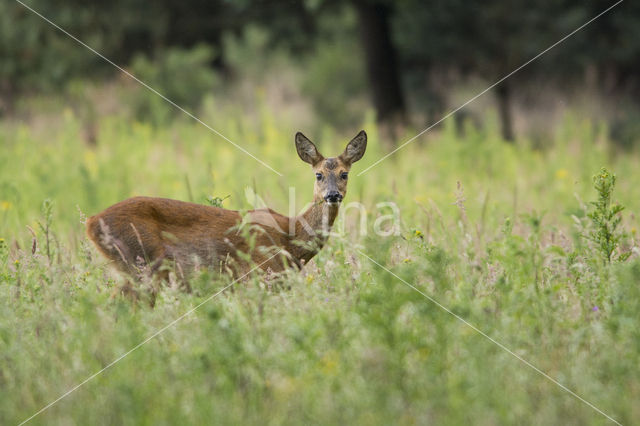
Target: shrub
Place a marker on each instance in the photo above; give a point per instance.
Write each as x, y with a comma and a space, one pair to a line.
182, 75
605, 218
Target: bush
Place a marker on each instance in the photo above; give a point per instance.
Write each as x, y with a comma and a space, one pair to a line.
183, 76
605, 218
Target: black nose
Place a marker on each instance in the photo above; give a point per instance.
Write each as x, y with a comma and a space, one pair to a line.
333, 197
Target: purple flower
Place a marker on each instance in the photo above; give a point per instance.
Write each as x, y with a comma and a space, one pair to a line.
595, 309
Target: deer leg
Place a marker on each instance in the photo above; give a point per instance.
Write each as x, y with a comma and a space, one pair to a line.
183, 278
127, 290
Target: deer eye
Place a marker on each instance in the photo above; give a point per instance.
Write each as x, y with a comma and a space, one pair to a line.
344, 175
318, 176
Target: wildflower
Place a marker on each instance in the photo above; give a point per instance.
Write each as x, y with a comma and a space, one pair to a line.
561, 174
5, 205
309, 278
595, 309
418, 233
91, 163
16, 262
406, 260
634, 230
329, 363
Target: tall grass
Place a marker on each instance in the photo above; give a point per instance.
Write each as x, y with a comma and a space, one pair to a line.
494, 232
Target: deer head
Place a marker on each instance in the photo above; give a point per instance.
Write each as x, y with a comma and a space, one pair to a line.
331, 174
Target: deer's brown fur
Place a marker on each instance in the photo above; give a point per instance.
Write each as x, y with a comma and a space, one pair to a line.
145, 231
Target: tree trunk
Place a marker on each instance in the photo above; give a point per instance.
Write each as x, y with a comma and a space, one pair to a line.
503, 92
380, 56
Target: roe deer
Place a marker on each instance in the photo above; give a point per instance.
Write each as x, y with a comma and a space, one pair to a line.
145, 232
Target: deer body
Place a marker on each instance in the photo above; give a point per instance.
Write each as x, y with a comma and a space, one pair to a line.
145, 231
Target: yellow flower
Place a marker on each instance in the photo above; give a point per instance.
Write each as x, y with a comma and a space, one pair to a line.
634, 230
16, 262
5, 205
91, 162
417, 233
407, 260
309, 278
329, 363
561, 174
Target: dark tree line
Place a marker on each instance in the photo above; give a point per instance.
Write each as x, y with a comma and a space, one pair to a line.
403, 42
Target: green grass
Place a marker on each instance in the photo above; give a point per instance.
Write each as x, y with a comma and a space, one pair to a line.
347, 343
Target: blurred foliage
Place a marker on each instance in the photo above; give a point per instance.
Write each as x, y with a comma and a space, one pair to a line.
625, 125
332, 75
184, 76
440, 45
36, 56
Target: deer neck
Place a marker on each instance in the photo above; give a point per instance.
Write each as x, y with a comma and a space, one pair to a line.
312, 230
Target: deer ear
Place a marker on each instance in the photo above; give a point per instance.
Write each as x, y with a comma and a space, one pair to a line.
307, 151
355, 149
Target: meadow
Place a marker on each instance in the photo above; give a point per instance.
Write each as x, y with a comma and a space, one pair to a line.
498, 233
